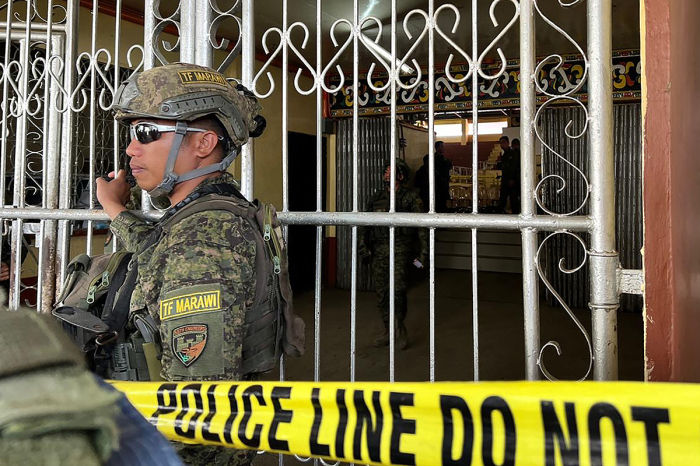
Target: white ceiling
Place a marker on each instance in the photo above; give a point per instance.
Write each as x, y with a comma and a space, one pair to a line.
268, 14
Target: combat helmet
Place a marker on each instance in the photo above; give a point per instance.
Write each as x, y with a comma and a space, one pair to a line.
184, 92
401, 167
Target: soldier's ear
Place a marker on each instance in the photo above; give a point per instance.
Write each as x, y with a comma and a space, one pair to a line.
205, 143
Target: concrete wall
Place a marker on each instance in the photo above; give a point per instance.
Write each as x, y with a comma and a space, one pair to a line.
671, 61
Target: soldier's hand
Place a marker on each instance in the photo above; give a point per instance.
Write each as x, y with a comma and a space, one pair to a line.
113, 195
4, 271
364, 252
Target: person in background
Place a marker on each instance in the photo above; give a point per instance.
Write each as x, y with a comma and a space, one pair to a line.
443, 166
374, 243
6, 261
510, 177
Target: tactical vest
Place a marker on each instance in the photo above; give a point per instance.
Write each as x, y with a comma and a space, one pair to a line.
381, 204
130, 351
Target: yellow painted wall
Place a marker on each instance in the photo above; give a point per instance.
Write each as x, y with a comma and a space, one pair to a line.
268, 147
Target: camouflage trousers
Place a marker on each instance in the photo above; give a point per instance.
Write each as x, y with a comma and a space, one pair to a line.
380, 277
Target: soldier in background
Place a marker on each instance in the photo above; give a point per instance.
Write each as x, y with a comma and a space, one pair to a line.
443, 165
374, 243
510, 177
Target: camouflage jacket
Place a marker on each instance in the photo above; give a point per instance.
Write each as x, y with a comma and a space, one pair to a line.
406, 200
196, 281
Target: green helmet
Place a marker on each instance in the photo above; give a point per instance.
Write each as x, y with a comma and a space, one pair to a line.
184, 92
401, 167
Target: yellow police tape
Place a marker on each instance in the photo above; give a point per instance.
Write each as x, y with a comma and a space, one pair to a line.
519, 423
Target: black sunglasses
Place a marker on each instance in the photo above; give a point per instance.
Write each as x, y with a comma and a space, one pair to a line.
147, 132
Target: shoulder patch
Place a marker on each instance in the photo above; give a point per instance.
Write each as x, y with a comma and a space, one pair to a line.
189, 342
190, 300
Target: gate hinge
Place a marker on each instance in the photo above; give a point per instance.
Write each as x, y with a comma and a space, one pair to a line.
630, 281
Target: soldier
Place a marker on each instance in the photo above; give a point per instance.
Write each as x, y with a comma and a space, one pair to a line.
197, 277
374, 242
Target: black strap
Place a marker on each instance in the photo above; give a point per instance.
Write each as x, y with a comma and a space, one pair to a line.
114, 286
119, 312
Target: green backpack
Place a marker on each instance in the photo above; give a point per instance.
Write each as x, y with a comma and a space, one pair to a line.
94, 301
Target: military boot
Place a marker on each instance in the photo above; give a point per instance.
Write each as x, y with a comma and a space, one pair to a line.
402, 337
382, 339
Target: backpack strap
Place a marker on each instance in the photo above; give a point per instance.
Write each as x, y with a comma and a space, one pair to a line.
207, 203
117, 309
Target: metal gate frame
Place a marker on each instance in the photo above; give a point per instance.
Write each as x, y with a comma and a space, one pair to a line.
197, 22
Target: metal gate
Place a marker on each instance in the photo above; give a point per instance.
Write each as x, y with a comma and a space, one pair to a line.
52, 82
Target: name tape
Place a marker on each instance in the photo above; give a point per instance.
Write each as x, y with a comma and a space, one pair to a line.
519, 423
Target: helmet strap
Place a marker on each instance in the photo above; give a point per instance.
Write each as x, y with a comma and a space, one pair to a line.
217, 167
170, 178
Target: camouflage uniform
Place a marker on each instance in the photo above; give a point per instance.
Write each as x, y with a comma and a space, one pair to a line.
208, 255
377, 239
197, 277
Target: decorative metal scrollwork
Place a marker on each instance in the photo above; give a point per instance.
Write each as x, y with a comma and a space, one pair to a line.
568, 131
452, 43
219, 17
493, 43
569, 88
557, 296
162, 23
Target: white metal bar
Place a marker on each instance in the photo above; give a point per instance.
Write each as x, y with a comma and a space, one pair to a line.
36, 27
431, 176
67, 138
46, 273
203, 50
91, 131
604, 261
20, 163
527, 188
475, 185
393, 76
247, 75
115, 126
285, 109
5, 126
355, 185
149, 61
188, 31
319, 205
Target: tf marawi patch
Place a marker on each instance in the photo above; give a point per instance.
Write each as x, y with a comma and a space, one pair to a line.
189, 342
190, 300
